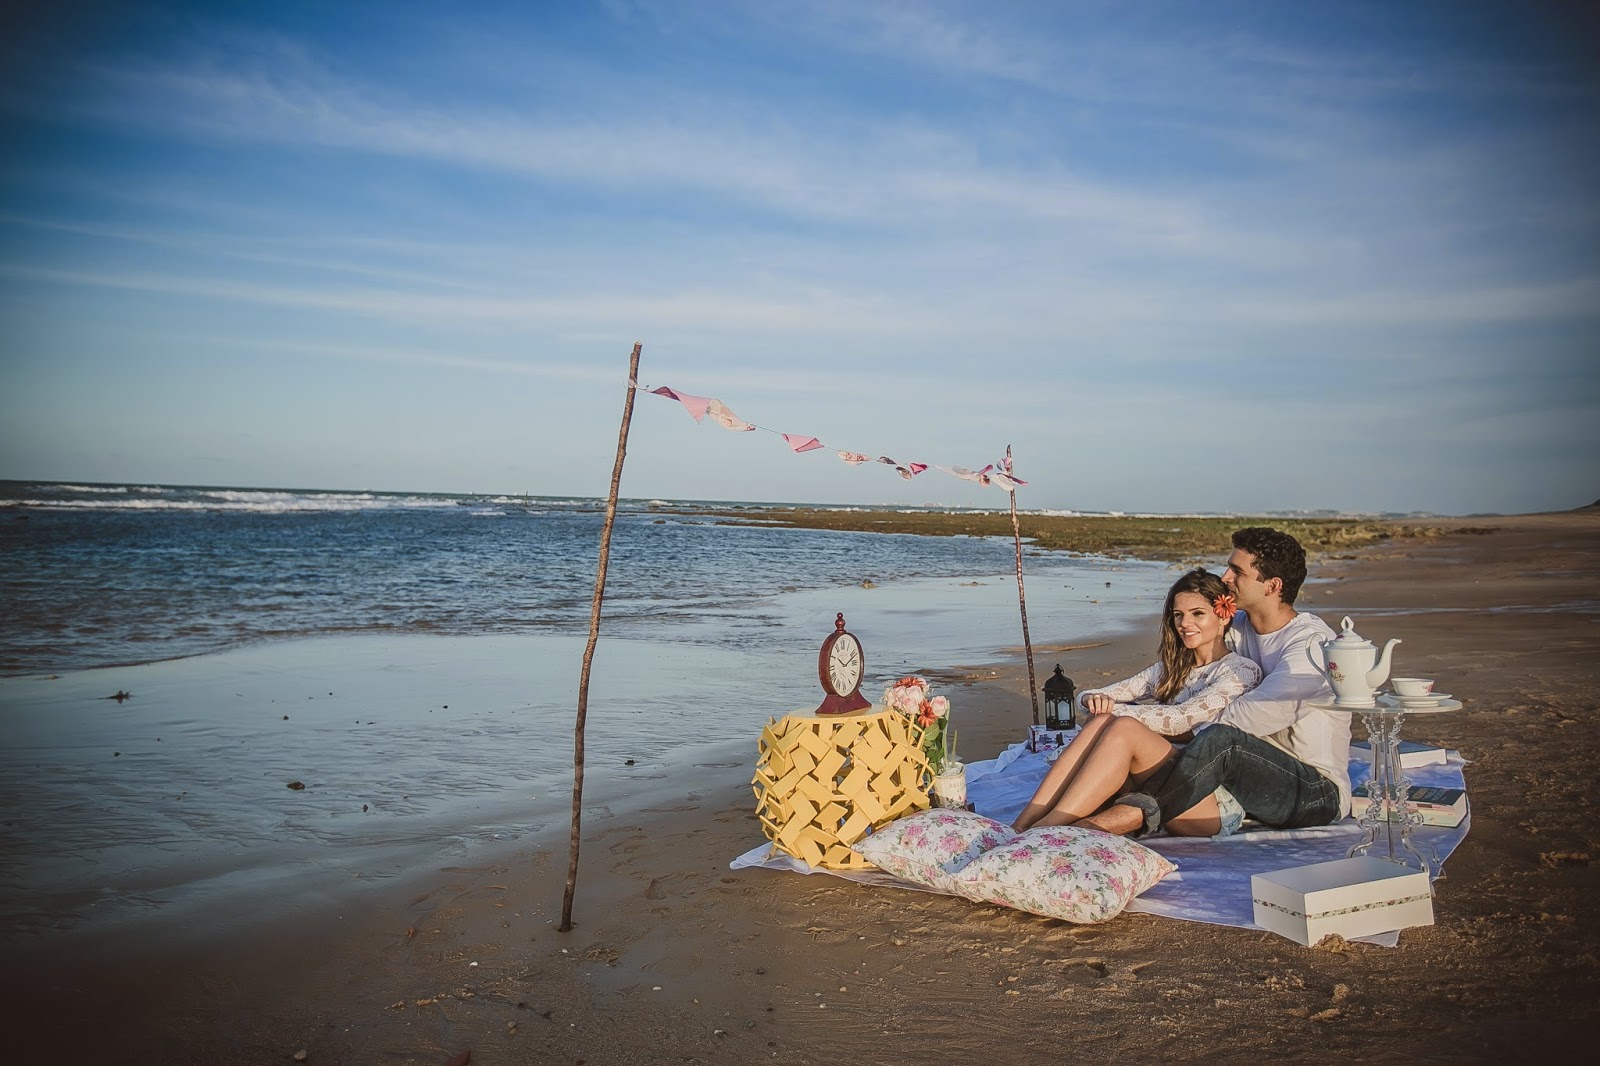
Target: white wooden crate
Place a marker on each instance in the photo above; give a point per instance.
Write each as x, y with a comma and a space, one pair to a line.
1351, 897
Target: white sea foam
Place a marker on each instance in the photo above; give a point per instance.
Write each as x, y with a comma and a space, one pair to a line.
536, 501
256, 496
250, 502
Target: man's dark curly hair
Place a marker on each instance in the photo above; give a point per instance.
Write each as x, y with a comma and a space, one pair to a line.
1278, 555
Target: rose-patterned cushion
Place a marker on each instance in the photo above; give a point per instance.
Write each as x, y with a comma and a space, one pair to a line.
1077, 875
927, 847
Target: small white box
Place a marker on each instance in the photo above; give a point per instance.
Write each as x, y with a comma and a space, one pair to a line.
1351, 897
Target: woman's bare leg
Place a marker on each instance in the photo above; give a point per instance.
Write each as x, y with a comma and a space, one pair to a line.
1062, 771
1129, 748
1201, 820
1204, 819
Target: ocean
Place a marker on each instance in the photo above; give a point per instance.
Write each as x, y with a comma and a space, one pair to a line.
108, 575
326, 691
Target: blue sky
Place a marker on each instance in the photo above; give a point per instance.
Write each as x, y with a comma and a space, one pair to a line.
1220, 256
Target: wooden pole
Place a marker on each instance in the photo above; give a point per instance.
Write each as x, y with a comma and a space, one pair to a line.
588, 651
1022, 597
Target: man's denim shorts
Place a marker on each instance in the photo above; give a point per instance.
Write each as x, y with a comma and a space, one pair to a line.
1232, 814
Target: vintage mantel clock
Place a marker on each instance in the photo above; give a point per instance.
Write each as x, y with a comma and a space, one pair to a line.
840, 667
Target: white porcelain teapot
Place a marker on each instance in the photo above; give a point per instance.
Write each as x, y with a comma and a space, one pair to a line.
1355, 666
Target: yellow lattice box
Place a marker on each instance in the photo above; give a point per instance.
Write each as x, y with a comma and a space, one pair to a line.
822, 783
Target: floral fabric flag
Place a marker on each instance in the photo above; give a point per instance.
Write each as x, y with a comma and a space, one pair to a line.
726, 418
855, 458
980, 476
1004, 477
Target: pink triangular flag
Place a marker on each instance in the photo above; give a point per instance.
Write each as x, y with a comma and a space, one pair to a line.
696, 404
801, 444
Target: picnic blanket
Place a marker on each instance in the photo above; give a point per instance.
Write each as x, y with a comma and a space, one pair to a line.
1213, 879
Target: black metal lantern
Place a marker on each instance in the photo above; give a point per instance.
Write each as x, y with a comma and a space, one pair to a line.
1060, 695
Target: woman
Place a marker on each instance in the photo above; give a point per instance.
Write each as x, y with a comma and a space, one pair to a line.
1194, 678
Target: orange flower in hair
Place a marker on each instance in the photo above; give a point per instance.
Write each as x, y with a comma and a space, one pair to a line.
1225, 606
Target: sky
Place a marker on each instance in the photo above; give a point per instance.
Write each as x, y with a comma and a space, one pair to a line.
1184, 256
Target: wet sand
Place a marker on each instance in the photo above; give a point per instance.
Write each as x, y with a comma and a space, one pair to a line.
677, 959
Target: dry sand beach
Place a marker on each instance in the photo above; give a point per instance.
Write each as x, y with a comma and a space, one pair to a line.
677, 959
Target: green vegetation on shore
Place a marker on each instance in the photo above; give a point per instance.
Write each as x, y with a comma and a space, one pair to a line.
1167, 539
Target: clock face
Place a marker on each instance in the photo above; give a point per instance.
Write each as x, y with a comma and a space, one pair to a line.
844, 664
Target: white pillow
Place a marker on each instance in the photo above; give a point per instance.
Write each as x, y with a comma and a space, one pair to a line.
927, 847
1077, 875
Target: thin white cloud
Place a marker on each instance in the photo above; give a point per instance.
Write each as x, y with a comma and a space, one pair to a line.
1070, 306
1568, 299
696, 310
534, 366
232, 246
873, 174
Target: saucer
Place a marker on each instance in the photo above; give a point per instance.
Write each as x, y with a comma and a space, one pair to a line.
1389, 703
1430, 700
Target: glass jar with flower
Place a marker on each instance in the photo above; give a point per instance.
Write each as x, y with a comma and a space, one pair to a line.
912, 697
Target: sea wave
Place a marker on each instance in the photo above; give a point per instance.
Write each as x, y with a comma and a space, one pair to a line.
323, 501
256, 503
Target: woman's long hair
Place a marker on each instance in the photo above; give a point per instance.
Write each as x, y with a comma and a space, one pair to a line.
1177, 661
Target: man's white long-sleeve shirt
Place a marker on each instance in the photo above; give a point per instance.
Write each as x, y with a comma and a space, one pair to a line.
1278, 710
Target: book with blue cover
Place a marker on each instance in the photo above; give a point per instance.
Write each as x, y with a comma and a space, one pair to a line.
1433, 805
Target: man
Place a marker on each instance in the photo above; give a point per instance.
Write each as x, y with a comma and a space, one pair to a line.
1271, 756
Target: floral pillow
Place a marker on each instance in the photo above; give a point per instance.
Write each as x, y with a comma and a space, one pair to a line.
1077, 875
927, 847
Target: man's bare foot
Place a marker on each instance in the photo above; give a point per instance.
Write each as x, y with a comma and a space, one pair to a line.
1118, 820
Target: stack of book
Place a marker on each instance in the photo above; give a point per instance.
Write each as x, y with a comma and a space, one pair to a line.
1411, 753
1043, 738
1432, 805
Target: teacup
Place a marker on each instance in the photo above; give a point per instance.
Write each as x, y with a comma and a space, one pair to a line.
1412, 686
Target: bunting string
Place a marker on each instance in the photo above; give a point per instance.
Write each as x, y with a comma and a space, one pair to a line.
998, 474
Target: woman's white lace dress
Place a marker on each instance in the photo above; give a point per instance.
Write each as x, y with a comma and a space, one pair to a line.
1210, 689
